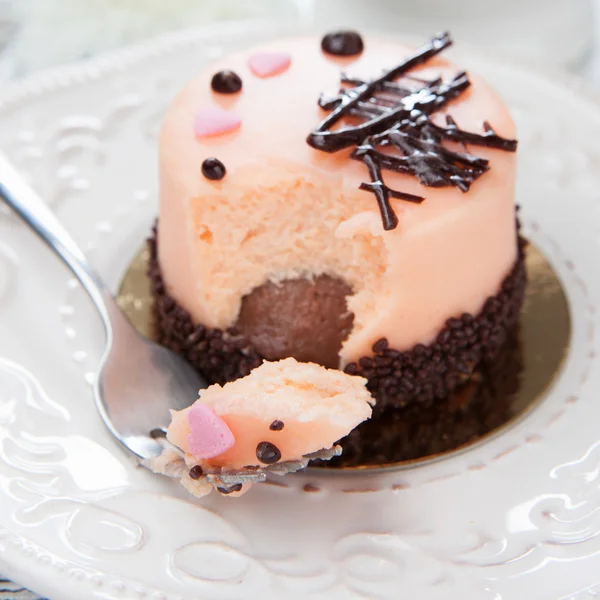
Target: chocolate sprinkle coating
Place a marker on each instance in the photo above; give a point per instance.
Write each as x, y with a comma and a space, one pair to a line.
421, 375
268, 453
234, 488
416, 431
311, 487
196, 472
276, 425
213, 169
226, 82
342, 43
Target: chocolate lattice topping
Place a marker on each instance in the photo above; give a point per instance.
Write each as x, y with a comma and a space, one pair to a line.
395, 133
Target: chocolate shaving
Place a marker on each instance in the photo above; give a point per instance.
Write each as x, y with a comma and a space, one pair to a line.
396, 118
234, 488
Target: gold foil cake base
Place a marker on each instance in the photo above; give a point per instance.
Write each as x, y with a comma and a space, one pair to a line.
502, 396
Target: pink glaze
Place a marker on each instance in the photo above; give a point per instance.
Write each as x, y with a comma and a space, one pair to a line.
268, 64
209, 434
318, 406
287, 210
215, 121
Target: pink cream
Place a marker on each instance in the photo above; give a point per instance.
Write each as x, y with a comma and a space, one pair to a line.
269, 64
285, 209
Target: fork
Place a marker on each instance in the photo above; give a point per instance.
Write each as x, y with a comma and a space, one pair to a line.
138, 381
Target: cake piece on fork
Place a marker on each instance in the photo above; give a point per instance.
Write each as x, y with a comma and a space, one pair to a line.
274, 420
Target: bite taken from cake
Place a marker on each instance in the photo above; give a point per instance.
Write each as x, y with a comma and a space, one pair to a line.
346, 201
274, 420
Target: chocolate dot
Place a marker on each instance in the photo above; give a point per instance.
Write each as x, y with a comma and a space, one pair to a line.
267, 453
196, 472
381, 345
234, 488
342, 43
213, 168
276, 425
226, 82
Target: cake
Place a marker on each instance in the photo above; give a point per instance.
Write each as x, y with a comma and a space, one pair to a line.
346, 201
274, 420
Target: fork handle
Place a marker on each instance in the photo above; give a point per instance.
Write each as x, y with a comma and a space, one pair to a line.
34, 211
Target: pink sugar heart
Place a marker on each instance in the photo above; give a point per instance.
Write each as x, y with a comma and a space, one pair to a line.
210, 435
214, 121
267, 64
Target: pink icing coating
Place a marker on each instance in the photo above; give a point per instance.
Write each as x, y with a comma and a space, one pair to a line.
215, 121
268, 64
318, 407
209, 434
446, 256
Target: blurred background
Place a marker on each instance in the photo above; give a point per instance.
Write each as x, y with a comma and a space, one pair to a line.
39, 33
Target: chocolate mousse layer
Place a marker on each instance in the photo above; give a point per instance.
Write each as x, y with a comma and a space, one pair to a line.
310, 321
421, 375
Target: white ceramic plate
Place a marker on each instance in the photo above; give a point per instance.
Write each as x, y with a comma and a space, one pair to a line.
516, 517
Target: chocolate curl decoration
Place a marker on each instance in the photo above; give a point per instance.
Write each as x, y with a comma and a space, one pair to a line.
397, 117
